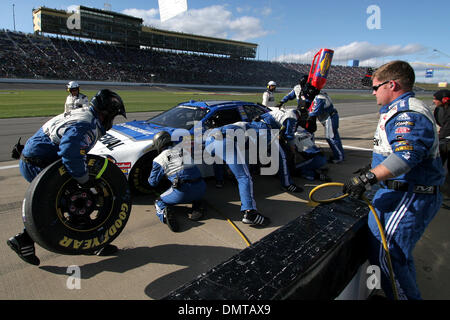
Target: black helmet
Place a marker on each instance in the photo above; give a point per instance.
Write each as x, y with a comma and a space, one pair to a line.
161, 141
109, 104
302, 80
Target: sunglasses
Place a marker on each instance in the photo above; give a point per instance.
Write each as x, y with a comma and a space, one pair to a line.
375, 88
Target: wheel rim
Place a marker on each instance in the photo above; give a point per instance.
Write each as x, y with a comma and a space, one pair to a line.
82, 209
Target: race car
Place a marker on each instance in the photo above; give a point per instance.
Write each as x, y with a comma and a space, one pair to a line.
130, 144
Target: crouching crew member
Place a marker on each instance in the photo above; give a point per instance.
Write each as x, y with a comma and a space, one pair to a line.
188, 185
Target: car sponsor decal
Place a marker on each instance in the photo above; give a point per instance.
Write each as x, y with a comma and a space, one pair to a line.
137, 130
110, 141
124, 166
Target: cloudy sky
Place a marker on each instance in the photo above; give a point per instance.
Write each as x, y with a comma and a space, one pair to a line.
372, 31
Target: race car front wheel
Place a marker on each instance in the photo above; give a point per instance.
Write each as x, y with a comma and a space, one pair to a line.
65, 218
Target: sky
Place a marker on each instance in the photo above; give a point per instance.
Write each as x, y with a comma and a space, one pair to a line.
371, 31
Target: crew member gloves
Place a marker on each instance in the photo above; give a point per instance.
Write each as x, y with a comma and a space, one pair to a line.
357, 185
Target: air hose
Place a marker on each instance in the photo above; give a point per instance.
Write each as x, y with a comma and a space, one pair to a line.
380, 227
229, 221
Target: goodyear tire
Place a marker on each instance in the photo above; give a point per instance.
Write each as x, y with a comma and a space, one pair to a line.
64, 218
138, 178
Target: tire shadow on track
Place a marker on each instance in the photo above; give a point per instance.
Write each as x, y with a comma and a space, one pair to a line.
195, 259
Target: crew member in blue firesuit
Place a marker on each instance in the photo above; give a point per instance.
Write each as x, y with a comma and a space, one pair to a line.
310, 160
216, 145
68, 136
407, 165
323, 109
295, 93
188, 185
286, 122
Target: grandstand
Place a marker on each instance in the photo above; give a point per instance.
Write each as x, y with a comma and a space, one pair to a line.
34, 56
141, 54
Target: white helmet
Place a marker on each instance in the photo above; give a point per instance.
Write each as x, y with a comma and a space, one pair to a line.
272, 83
72, 85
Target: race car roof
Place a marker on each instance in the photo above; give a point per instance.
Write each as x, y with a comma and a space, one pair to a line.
213, 103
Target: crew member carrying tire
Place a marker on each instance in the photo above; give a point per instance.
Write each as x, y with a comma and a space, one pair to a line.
68, 137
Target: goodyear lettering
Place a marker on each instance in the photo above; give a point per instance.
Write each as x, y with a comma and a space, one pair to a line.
95, 242
62, 170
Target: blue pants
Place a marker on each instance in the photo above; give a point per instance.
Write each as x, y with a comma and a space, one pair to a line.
283, 172
308, 167
332, 136
285, 177
240, 171
187, 193
29, 171
404, 216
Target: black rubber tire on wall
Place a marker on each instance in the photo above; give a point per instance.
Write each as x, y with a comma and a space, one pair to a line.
64, 218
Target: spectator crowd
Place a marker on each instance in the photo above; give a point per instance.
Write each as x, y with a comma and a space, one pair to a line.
34, 56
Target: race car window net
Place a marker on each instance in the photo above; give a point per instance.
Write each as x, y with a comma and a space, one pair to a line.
223, 117
179, 117
253, 111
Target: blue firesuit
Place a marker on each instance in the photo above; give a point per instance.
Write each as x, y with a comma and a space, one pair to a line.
313, 157
68, 136
216, 145
407, 144
295, 93
188, 185
322, 108
285, 120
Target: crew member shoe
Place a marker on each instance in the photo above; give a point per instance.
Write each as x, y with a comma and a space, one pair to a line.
197, 212
169, 219
219, 184
23, 245
322, 175
292, 188
254, 218
107, 250
335, 161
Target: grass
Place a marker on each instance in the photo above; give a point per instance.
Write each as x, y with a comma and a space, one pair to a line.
19, 103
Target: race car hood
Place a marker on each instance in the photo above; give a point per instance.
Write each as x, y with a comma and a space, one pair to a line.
140, 130
128, 141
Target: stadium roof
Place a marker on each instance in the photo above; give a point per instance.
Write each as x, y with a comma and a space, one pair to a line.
91, 23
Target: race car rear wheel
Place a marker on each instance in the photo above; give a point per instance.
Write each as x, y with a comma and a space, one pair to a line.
65, 218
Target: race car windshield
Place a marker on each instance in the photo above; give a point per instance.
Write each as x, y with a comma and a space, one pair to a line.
182, 117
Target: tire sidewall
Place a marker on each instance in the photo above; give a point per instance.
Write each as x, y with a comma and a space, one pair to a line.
43, 221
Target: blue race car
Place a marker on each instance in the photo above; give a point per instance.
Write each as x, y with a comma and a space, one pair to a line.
131, 143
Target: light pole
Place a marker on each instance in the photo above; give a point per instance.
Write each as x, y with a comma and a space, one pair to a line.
14, 19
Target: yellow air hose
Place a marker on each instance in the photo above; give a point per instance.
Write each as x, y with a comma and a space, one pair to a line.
380, 227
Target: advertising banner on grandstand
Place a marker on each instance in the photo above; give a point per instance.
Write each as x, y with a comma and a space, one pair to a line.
170, 8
